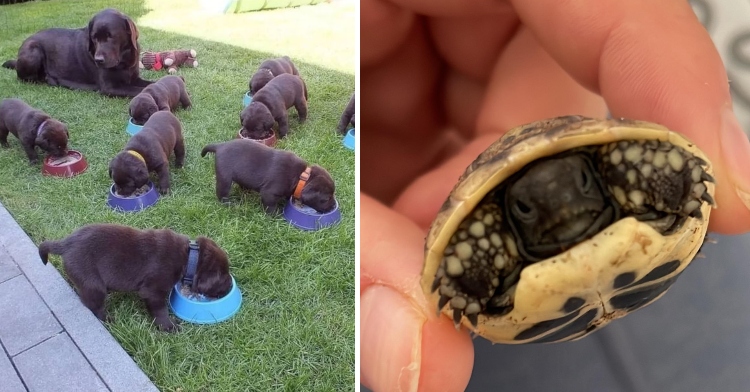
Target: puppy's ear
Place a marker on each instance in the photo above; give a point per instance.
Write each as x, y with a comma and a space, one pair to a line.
92, 44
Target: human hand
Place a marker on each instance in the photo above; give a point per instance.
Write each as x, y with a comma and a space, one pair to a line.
478, 68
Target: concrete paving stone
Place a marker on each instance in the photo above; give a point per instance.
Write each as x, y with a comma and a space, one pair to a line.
10, 379
8, 267
57, 365
27, 319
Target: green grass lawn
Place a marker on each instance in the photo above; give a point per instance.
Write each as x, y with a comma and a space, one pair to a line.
295, 330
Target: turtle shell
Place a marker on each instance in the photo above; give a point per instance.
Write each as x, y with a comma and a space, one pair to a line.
622, 268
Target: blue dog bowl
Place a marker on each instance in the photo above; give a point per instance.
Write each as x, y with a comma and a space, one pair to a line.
349, 139
199, 310
247, 98
306, 218
132, 128
133, 203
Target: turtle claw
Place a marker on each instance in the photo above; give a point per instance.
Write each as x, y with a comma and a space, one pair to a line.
707, 198
443, 301
707, 177
473, 319
457, 318
435, 284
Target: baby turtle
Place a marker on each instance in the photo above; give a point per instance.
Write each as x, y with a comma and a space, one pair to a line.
566, 224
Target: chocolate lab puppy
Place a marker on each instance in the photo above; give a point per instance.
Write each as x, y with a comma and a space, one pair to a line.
268, 70
165, 94
33, 128
275, 174
107, 257
148, 151
347, 117
270, 105
103, 56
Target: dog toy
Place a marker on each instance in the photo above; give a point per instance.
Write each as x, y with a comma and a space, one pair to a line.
171, 59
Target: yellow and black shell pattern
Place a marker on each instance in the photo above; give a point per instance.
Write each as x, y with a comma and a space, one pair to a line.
475, 271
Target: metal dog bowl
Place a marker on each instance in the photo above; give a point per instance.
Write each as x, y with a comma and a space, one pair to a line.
199, 310
246, 99
132, 128
307, 218
349, 139
133, 203
70, 165
269, 141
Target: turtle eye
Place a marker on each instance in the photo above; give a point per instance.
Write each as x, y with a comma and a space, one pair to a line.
584, 181
523, 210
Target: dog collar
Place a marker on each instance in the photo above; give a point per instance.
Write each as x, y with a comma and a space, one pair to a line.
137, 155
301, 183
39, 129
192, 265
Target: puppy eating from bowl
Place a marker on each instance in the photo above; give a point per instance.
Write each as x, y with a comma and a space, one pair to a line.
269, 69
33, 128
270, 105
108, 257
148, 151
168, 93
275, 174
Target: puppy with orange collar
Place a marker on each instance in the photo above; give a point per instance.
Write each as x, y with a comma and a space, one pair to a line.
148, 151
275, 174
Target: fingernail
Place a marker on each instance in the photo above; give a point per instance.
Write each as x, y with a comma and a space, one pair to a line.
391, 331
735, 148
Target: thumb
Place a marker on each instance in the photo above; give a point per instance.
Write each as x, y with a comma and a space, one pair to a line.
405, 346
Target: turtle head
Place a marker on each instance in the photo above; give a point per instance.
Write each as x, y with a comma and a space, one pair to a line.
557, 203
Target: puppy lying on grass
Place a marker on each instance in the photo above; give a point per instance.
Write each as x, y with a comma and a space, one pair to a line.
33, 128
275, 174
270, 106
147, 151
107, 257
165, 94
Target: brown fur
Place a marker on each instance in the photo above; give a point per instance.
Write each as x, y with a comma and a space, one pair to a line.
347, 117
107, 257
165, 94
161, 135
102, 56
270, 106
23, 121
271, 172
269, 69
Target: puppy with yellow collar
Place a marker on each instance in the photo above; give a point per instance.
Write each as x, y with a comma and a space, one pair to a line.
148, 151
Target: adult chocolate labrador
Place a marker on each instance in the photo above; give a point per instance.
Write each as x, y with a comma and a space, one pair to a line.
102, 56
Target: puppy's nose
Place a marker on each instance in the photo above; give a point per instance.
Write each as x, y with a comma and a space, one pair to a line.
99, 59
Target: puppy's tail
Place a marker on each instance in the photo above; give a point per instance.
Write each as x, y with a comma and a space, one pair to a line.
209, 148
10, 64
47, 247
304, 86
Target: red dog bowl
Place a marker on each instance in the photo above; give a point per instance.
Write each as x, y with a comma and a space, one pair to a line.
68, 166
269, 141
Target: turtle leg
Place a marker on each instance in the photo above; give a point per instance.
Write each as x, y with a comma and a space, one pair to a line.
480, 254
656, 182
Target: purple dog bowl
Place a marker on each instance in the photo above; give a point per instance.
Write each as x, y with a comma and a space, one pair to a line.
133, 203
307, 218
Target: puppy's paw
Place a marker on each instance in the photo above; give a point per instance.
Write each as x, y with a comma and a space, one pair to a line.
33, 162
164, 190
169, 326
